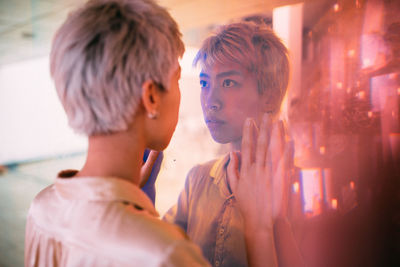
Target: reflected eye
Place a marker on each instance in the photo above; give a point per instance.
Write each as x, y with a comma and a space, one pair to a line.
228, 83
203, 84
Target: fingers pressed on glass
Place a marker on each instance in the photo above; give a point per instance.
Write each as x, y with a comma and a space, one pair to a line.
233, 171
247, 143
263, 141
282, 136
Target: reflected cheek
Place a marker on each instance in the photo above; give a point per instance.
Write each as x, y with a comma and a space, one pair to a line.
202, 102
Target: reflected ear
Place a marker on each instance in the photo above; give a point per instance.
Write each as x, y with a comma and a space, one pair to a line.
150, 97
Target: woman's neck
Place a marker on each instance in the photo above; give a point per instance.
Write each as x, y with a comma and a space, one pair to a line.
117, 155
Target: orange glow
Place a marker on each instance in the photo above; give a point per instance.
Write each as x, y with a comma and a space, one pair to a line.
361, 95
339, 85
369, 114
351, 53
316, 204
334, 203
296, 187
322, 150
352, 185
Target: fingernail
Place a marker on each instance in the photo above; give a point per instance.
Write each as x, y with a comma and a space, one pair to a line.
265, 117
248, 121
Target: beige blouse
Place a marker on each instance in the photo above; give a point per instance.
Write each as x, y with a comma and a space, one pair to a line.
102, 221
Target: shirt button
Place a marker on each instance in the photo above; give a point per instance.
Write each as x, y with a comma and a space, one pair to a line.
216, 263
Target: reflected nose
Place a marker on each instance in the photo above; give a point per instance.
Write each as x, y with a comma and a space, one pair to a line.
215, 106
213, 101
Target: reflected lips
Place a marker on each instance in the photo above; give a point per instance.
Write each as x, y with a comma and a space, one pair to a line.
214, 122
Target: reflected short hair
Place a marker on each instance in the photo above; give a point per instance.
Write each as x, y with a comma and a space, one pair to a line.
254, 46
102, 55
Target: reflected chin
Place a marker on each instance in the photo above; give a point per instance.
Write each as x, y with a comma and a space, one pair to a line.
221, 138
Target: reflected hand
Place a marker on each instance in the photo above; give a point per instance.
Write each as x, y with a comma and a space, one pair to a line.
260, 186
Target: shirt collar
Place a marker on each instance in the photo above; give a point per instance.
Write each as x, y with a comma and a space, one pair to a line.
218, 173
107, 189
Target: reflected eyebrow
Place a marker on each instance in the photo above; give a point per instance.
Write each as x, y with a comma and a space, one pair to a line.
222, 74
229, 73
204, 75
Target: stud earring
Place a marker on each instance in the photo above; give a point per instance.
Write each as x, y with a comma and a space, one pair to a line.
152, 115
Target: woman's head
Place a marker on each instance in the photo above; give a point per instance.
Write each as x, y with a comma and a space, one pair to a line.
104, 53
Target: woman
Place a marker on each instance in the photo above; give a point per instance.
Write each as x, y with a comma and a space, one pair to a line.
115, 68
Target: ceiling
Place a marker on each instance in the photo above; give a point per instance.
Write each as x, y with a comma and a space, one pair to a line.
27, 26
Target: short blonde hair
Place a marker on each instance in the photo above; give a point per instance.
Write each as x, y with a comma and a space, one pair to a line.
102, 55
254, 46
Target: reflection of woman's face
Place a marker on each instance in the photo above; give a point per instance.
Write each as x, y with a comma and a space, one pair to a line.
228, 96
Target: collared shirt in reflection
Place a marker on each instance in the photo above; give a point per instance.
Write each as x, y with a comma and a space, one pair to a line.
207, 211
102, 221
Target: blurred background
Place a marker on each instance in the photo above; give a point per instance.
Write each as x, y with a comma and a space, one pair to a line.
343, 112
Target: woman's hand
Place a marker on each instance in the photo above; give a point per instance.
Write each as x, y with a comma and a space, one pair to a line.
147, 167
148, 174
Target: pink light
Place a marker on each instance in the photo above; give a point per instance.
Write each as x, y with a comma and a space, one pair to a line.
322, 150
351, 53
369, 114
312, 191
336, 7
339, 85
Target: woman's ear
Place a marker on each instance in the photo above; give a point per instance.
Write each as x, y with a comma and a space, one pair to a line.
150, 98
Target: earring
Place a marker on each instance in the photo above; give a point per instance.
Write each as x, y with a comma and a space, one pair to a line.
152, 115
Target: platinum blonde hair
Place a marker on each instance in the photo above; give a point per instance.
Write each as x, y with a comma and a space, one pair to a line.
254, 46
102, 55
